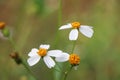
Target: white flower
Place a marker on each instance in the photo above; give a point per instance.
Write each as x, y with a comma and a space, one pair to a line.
74, 59
84, 29
36, 54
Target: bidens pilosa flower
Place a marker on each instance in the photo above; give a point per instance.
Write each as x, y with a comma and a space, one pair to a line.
76, 26
73, 59
36, 54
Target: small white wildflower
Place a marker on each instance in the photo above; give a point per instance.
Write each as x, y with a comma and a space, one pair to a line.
36, 54
84, 29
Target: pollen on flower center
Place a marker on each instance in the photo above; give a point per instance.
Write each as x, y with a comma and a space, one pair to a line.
74, 59
42, 52
75, 24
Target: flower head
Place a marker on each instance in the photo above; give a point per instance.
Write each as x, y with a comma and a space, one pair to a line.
73, 59
2, 25
3, 30
76, 26
36, 54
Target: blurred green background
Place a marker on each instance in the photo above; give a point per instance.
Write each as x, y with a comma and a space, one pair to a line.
35, 22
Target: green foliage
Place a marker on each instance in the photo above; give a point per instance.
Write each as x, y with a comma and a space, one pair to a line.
40, 5
99, 55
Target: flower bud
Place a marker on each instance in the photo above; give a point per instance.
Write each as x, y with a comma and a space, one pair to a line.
6, 32
74, 59
2, 25
16, 57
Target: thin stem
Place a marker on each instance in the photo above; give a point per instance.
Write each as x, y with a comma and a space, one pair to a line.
29, 71
56, 41
12, 42
67, 72
23, 63
60, 13
74, 43
58, 71
59, 23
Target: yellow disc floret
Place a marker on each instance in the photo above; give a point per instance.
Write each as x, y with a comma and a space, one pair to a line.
42, 52
74, 59
2, 25
75, 24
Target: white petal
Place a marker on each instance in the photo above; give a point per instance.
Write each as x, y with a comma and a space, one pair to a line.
86, 30
64, 57
49, 61
33, 52
33, 60
54, 53
65, 26
46, 46
73, 34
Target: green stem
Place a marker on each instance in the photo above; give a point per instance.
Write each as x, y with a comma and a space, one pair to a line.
60, 13
12, 42
74, 43
56, 41
29, 71
59, 23
23, 63
67, 72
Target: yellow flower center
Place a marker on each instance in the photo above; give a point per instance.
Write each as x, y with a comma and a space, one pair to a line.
2, 25
74, 59
42, 52
75, 24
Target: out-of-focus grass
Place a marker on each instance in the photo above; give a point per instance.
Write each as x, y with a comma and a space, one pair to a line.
99, 55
